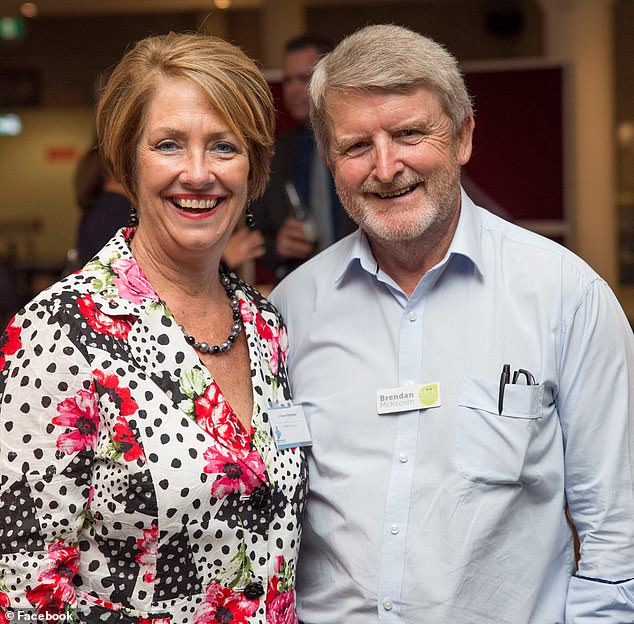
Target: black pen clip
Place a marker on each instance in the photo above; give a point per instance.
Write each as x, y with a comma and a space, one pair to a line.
530, 380
505, 377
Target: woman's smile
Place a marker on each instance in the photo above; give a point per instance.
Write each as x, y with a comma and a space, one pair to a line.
196, 205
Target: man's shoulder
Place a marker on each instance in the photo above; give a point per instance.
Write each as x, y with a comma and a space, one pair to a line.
523, 247
317, 275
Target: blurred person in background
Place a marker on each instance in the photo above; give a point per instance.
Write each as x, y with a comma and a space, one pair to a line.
10, 299
140, 480
103, 203
300, 212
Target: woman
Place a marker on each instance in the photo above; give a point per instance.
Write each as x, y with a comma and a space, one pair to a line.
140, 480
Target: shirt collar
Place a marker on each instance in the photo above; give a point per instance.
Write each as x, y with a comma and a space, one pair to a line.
359, 253
467, 239
466, 242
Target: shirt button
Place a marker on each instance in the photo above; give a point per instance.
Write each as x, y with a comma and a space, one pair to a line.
254, 590
403, 458
387, 603
260, 498
412, 317
394, 529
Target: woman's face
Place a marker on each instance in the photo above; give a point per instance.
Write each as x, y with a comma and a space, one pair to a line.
192, 172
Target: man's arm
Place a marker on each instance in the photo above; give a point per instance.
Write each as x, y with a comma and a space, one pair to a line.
596, 407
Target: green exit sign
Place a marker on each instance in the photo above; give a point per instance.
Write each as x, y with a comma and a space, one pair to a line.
11, 28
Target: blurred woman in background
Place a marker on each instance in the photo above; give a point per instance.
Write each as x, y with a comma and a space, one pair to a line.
103, 204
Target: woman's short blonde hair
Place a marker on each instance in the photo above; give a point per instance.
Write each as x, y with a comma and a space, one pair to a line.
386, 57
230, 79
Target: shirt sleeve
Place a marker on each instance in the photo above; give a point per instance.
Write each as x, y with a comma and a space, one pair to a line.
49, 426
590, 600
595, 401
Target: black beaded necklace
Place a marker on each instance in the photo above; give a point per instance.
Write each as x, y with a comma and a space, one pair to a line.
203, 347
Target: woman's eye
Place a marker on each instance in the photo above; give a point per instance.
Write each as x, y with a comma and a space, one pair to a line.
166, 146
225, 148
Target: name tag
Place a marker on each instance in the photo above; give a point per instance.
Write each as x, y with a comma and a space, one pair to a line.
408, 398
289, 427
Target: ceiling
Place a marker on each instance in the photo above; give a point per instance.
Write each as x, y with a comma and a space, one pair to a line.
11, 8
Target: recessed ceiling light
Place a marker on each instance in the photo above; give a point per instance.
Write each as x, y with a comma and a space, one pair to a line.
222, 4
10, 125
29, 9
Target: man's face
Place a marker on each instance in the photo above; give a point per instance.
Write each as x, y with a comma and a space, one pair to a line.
298, 67
396, 160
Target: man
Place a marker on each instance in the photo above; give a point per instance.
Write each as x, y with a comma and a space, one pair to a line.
300, 212
464, 379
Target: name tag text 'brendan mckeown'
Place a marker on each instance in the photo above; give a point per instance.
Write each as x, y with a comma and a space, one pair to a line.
407, 398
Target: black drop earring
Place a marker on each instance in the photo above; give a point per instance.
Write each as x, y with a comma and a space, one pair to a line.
249, 218
133, 219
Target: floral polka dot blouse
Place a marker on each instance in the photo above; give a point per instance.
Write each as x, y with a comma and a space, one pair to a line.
129, 490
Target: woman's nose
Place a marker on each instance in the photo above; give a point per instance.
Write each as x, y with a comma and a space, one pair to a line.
197, 171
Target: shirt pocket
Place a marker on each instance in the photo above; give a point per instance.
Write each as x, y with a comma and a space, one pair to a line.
493, 448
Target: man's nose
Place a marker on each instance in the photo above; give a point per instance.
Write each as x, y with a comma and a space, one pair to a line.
388, 163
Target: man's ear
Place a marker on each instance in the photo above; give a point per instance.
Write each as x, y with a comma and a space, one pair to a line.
464, 141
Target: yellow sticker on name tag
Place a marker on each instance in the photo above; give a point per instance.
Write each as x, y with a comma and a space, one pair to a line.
408, 398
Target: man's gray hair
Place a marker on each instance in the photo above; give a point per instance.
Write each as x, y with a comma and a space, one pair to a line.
386, 57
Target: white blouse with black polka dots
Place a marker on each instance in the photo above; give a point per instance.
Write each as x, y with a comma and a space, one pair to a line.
129, 489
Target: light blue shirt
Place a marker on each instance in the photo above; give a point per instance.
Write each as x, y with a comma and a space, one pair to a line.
456, 514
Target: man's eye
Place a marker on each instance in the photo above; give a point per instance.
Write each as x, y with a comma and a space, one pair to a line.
409, 135
356, 148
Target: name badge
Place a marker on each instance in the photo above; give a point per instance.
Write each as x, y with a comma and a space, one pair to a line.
408, 398
289, 427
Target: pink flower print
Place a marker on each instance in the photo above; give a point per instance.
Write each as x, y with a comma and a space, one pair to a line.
148, 545
106, 604
245, 311
215, 416
277, 343
280, 596
131, 282
4, 602
56, 589
223, 605
264, 330
9, 342
125, 440
278, 346
104, 324
119, 394
280, 609
79, 413
238, 475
